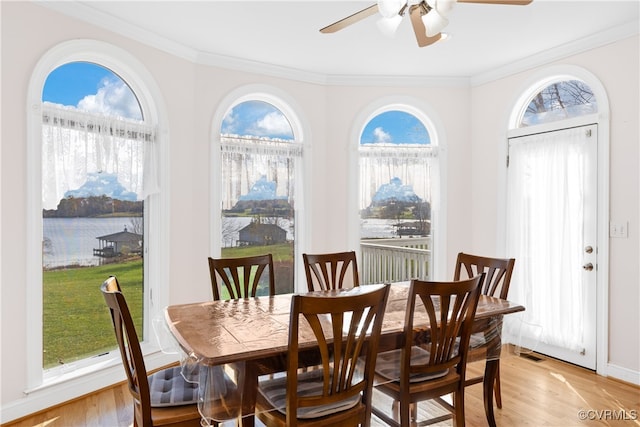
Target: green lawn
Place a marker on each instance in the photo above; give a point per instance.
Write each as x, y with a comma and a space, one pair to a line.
76, 320
280, 252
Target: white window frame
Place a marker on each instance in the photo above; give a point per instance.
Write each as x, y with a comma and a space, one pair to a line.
156, 286
291, 110
431, 120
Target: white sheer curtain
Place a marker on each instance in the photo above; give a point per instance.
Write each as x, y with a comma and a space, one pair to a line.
76, 144
246, 161
381, 163
544, 233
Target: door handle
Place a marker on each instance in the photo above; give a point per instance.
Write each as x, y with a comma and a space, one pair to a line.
588, 266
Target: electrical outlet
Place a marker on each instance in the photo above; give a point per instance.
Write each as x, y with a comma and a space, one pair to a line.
619, 229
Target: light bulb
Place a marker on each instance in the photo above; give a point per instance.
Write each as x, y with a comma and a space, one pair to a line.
388, 26
444, 7
434, 22
390, 8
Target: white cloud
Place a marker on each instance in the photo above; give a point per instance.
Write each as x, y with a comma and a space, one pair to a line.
273, 123
230, 122
113, 98
381, 136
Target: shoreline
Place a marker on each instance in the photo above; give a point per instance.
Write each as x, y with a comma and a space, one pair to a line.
106, 261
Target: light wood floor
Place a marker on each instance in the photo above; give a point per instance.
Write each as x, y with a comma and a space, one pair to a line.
534, 393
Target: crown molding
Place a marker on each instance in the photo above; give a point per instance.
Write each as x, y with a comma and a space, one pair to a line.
103, 20
412, 81
262, 68
594, 41
95, 17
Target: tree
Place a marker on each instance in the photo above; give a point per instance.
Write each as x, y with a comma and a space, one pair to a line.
560, 96
137, 225
230, 229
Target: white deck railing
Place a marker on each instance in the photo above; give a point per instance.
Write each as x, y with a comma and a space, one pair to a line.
395, 260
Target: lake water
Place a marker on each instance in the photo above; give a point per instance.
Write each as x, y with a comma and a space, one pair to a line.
377, 228
70, 241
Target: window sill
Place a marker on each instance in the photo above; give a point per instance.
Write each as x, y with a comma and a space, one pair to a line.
73, 371
101, 370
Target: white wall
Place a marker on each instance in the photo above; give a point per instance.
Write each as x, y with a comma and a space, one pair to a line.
616, 66
473, 122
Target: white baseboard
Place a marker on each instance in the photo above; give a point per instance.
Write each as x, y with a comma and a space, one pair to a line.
623, 374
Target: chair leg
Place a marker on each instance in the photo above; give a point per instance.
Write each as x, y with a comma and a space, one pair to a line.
413, 408
458, 399
496, 389
405, 408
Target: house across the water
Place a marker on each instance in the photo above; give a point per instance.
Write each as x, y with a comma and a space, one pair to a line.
112, 245
261, 234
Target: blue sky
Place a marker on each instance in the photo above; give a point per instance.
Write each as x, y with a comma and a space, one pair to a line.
70, 83
257, 118
395, 127
93, 88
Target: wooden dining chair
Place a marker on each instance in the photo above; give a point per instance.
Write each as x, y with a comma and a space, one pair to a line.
241, 277
163, 398
486, 337
432, 360
331, 270
338, 392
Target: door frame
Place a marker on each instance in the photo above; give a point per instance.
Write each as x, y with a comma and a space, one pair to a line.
602, 271
590, 279
529, 87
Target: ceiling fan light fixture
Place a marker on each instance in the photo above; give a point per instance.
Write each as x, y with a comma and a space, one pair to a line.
388, 26
434, 22
390, 8
444, 7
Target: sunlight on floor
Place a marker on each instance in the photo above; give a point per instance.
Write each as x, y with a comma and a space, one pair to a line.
52, 421
562, 379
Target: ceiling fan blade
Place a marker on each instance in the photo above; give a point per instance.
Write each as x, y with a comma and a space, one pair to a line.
509, 2
419, 28
351, 19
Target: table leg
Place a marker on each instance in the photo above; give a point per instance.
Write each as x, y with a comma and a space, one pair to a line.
249, 393
490, 370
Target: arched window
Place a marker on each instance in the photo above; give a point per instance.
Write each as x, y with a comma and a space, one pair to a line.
559, 100
260, 163
94, 140
397, 158
94, 156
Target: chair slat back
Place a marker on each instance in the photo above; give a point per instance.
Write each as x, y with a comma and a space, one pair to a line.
241, 277
497, 271
450, 308
347, 363
331, 270
130, 350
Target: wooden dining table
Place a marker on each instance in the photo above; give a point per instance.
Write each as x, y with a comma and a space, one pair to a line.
256, 331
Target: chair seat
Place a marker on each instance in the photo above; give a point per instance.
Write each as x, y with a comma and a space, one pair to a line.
310, 383
388, 365
169, 388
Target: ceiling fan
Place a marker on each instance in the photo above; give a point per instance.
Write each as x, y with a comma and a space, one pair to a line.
428, 17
